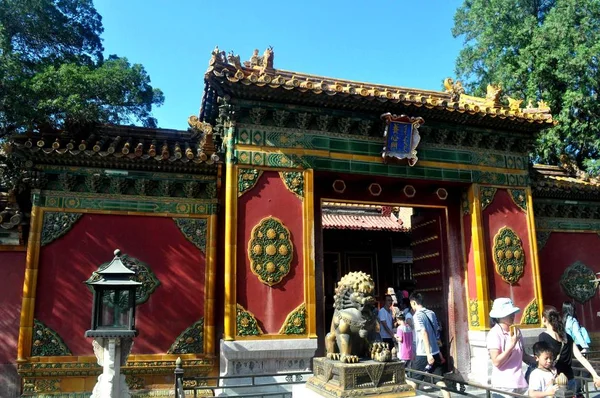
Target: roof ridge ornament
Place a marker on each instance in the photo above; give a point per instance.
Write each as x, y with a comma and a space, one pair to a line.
402, 137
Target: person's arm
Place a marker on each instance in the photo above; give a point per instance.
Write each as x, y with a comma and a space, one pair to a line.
583, 361
499, 358
427, 345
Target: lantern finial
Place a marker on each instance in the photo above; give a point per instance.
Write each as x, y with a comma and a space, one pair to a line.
118, 253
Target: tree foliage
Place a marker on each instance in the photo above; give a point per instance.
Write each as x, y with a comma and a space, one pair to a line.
539, 50
53, 73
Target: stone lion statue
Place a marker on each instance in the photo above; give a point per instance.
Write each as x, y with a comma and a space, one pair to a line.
354, 319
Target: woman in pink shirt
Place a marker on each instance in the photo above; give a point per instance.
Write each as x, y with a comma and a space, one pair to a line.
505, 345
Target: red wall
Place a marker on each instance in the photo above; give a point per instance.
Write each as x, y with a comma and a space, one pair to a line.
12, 266
270, 305
63, 302
500, 213
560, 251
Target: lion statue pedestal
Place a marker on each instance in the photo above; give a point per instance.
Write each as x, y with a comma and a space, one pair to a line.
356, 365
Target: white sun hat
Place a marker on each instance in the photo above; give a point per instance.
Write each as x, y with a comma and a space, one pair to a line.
503, 307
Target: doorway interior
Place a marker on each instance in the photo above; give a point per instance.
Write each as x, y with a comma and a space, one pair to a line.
401, 247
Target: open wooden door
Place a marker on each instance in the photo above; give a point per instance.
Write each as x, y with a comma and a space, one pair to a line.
429, 255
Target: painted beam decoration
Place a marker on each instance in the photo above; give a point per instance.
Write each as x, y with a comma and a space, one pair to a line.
401, 137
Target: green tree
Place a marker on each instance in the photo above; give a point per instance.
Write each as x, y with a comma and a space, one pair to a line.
53, 74
539, 50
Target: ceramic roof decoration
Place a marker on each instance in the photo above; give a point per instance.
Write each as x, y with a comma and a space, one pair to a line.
258, 79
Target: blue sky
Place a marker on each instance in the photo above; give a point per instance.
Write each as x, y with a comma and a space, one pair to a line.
397, 42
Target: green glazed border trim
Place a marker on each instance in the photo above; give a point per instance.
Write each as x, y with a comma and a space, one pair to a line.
57, 224
135, 174
194, 230
531, 314
107, 202
277, 137
46, 342
567, 224
190, 341
280, 160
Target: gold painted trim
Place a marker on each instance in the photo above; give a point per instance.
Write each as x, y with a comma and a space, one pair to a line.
426, 256
382, 203
425, 273
210, 283
569, 231
308, 232
273, 337
30, 284
479, 256
373, 159
425, 240
430, 289
10, 248
230, 256
533, 249
423, 224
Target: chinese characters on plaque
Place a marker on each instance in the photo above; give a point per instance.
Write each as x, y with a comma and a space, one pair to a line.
401, 137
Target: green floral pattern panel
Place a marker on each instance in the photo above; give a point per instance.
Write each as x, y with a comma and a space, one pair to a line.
247, 179
509, 257
46, 342
519, 197
194, 230
294, 182
246, 323
531, 314
143, 274
474, 313
190, 341
270, 251
487, 196
57, 224
578, 282
295, 322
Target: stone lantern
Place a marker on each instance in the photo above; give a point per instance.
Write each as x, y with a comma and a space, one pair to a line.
113, 325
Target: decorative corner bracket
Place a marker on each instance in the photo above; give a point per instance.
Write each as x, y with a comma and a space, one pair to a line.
519, 197
294, 182
46, 342
474, 313
246, 323
247, 179
57, 224
531, 314
486, 195
190, 341
295, 322
194, 229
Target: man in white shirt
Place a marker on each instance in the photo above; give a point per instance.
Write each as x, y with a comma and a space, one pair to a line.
386, 322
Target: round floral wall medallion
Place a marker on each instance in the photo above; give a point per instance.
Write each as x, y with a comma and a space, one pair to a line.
270, 251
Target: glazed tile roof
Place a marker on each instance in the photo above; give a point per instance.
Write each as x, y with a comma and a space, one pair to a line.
122, 146
361, 217
259, 80
559, 182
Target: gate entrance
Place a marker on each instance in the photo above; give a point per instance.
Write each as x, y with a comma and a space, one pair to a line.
405, 244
